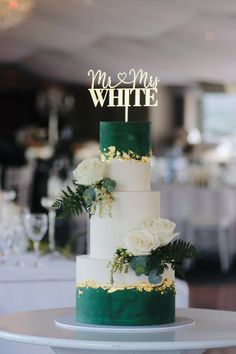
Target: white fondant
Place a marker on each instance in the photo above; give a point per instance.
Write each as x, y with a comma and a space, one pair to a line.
130, 175
94, 269
128, 211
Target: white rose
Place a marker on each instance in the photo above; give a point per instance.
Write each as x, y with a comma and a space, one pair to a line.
161, 228
141, 242
89, 171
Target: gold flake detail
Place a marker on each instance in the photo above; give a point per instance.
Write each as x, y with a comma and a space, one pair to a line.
111, 153
161, 288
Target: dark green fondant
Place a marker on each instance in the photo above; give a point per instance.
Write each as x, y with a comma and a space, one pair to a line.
128, 307
134, 136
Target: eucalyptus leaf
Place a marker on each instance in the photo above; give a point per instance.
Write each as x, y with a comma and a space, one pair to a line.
154, 277
89, 195
139, 264
139, 270
109, 184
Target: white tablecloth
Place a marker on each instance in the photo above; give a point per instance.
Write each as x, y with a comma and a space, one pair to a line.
27, 288
52, 286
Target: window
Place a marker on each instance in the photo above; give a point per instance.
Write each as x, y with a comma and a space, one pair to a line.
218, 116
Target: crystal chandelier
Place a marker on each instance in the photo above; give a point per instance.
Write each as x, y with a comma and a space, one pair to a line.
13, 12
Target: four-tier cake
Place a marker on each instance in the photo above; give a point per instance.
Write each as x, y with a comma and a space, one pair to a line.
129, 298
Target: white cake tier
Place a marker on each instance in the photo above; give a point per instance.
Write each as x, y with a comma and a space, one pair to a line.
93, 269
129, 175
129, 209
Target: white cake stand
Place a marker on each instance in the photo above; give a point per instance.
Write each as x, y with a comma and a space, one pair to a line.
69, 322
213, 329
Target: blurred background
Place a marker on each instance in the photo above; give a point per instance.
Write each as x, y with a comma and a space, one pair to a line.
49, 123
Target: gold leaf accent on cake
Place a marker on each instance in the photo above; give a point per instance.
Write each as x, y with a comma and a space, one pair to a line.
88, 284
116, 288
145, 159
112, 149
167, 284
129, 287
111, 153
125, 156
103, 158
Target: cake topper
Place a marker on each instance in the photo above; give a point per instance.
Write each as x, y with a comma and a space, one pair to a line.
136, 82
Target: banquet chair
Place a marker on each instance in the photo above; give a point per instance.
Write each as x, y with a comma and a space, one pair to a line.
212, 214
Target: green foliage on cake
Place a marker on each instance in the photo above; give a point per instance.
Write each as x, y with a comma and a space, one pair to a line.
151, 249
91, 191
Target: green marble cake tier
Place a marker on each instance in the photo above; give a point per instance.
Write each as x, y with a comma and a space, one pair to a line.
128, 307
134, 136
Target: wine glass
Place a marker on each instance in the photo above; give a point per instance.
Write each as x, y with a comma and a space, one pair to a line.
6, 242
36, 226
20, 243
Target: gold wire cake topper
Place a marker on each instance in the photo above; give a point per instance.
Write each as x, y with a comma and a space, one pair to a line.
137, 82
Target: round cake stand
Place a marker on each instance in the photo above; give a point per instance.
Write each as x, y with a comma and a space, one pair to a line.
69, 322
213, 329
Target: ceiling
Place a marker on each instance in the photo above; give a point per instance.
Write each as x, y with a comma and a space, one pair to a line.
180, 41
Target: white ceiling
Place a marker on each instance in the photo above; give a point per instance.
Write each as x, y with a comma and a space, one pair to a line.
64, 38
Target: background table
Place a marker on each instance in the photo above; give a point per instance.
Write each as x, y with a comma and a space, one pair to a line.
213, 329
29, 288
52, 286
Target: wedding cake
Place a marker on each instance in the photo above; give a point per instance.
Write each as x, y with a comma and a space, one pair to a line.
129, 298
128, 277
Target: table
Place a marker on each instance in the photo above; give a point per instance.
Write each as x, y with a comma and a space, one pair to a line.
25, 288
213, 329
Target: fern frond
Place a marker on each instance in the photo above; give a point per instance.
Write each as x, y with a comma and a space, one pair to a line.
70, 203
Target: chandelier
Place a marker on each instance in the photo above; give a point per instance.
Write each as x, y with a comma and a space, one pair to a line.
13, 12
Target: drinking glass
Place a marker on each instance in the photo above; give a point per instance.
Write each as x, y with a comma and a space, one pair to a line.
36, 226
6, 242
